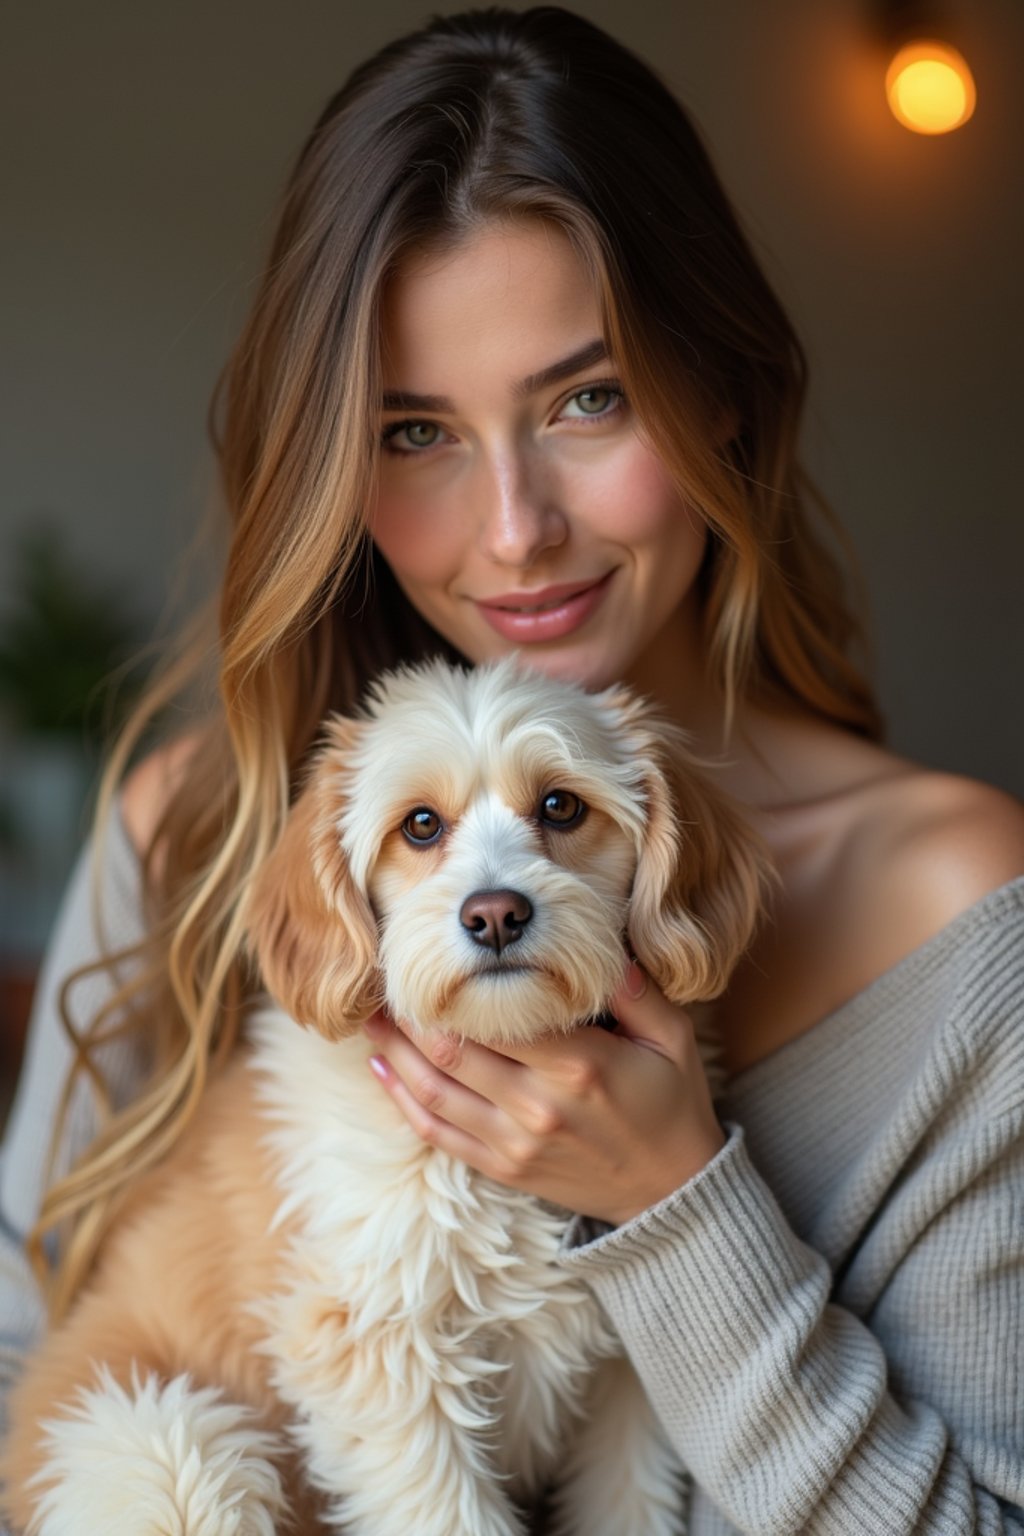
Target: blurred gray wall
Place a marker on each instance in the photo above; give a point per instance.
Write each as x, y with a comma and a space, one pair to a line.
143, 146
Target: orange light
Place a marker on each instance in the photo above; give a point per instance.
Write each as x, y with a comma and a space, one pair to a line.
930, 88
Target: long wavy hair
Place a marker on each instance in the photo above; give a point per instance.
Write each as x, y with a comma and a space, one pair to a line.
492, 114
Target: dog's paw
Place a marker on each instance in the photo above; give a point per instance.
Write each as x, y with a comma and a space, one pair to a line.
156, 1460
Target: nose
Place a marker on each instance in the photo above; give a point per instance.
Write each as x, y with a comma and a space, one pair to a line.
495, 919
522, 516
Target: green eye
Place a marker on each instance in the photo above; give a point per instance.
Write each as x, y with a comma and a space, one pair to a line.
423, 825
422, 434
593, 401
560, 808
408, 436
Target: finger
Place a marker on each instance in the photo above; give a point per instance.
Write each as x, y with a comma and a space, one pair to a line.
432, 1128
434, 1090
488, 1073
645, 1014
510, 1097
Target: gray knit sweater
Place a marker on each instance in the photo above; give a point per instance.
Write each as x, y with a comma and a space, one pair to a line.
828, 1318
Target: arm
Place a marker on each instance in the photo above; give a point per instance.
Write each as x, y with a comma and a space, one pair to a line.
788, 1409
24, 1158
879, 1387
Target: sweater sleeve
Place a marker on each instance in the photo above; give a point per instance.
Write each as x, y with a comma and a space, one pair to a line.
804, 1401
24, 1157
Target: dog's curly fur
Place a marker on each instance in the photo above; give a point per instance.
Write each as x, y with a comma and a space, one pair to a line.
309, 1316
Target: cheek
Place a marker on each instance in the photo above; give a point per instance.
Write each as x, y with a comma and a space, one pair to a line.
399, 869
599, 853
421, 540
633, 500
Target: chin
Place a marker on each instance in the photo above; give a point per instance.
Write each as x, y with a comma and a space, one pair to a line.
513, 1005
590, 665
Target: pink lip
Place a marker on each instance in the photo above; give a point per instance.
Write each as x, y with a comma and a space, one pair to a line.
577, 603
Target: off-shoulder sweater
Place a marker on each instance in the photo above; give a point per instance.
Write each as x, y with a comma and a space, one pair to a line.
829, 1317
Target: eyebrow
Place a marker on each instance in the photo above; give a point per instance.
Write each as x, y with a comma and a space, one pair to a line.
584, 357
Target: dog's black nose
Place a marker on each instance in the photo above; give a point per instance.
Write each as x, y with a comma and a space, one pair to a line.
495, 919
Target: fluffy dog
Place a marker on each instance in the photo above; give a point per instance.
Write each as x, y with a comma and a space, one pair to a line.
306, 1314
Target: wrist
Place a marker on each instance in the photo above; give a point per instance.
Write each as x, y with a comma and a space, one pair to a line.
698, 1154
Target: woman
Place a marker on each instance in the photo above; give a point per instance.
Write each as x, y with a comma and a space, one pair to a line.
514, 380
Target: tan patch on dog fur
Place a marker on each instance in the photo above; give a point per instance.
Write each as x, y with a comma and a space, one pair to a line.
401, 865
174, 1286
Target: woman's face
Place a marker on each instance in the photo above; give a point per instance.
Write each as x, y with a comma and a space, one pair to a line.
520, 506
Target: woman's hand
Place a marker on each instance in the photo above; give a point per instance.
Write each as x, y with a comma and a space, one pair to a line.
603, 1124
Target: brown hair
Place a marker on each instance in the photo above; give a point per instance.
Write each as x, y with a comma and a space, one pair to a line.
490, 114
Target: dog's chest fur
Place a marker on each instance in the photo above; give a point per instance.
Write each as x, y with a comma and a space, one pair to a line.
411, 1279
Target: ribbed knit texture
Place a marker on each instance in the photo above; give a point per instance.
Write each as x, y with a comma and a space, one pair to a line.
828, 1318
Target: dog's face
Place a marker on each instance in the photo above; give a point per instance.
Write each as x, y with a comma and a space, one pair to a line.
495, 823
476, 851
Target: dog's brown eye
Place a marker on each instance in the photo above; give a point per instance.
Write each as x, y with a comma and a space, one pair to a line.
423, 825
560, 808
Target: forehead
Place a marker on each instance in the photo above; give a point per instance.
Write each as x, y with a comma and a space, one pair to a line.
509, 298
446, 738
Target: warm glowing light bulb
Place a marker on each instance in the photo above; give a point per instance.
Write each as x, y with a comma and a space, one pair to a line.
930, 88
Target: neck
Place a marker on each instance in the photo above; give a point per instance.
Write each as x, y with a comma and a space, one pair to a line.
752, 762
673, 673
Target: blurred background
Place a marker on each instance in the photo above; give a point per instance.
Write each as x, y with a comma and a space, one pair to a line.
143, 147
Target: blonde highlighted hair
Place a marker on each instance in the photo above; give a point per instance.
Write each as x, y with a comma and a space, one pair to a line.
489, 115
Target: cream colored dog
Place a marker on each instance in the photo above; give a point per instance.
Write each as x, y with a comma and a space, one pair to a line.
307, 1315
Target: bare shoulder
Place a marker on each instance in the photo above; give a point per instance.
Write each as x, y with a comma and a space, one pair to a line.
932, 844
877, 856
149, 785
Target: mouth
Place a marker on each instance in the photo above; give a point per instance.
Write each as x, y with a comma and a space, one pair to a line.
520, 969
542, 598
547, 613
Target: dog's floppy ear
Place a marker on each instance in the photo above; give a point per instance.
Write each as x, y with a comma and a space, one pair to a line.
310, 928
702, 873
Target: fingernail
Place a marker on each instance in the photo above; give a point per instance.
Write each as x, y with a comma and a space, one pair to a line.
380, 1068
636, 980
